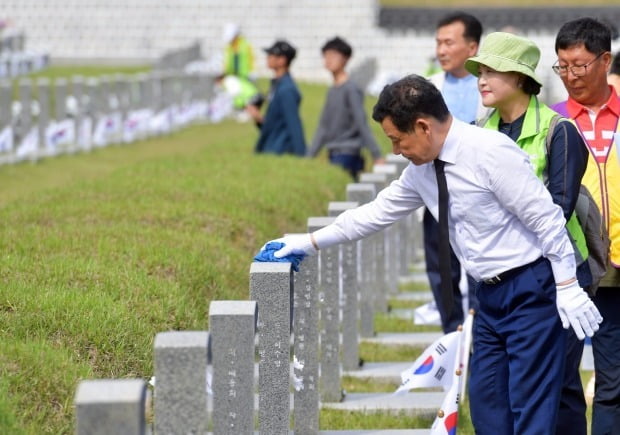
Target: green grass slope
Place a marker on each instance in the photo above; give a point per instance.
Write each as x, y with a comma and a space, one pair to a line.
101, 251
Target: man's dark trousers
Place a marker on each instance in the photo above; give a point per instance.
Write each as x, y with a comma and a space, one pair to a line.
606, 349
352, 163
572, 414
449, 321
518, 354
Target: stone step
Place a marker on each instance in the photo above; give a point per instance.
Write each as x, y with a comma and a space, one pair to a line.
424, 404
366, 432
418, 296
419, 276
379, 432
415, 339
386, 372
402, 313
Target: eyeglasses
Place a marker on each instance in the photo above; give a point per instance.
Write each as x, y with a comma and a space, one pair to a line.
577, 70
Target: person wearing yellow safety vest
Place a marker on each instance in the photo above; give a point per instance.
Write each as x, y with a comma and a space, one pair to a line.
238, 56
242, 91
583, 48
505, 66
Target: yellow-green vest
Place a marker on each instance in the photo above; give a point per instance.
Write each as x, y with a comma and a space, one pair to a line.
245, 63
246, 91
532, 140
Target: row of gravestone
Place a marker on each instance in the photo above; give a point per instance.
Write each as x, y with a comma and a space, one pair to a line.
12, 41
318, 314
180, 57
14, 59
81, 114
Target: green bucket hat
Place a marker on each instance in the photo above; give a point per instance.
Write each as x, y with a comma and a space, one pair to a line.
506, 52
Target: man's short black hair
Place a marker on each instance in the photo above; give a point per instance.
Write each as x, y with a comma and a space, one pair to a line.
409, 99
473, 27
615, 64
338, 44
593, 34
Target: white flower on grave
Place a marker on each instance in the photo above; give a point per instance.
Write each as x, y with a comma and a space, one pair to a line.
297, 365
298, 383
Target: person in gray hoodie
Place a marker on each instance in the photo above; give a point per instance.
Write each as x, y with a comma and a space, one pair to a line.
343, 128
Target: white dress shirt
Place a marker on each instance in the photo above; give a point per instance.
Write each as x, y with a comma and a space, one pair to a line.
500, 215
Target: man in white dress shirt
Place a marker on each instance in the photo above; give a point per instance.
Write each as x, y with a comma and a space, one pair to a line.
507, 233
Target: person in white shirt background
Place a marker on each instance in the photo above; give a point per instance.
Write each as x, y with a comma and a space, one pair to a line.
456, 39
507, 233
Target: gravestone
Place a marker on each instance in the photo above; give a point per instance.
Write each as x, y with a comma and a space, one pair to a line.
6, 100
411, 231
134, 92
43, 90
398, 160
181, 382
123, 94
271, 286
232, 331
392, 233
306, 347
157, 89
329, 298
379, 240
79, 111
92, 90
364, 72
60, 102
349, 273
380, 180
25, 98
110, 406
167, 88
103, 99
363, 193
208, 82
145, 92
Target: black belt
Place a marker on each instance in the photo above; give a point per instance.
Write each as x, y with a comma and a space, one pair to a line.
508, 273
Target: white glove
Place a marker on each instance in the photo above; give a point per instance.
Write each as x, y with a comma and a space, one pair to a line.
295, 244
577, 310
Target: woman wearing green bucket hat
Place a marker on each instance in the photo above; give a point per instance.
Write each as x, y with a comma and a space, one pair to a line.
505, 67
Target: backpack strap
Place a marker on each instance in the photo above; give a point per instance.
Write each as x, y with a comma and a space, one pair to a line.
552, 126
554, 122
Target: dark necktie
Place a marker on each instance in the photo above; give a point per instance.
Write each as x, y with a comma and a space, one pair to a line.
447, 299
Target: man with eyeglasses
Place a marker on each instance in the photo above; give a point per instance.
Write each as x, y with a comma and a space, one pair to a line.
583, 47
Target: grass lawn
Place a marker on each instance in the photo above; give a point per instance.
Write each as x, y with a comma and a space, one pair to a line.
65, 71
101, 251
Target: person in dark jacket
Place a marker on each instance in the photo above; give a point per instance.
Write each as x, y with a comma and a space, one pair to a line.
281, 131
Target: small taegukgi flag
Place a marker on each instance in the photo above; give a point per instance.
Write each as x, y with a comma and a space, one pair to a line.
447, 417
436, 365
466, 348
